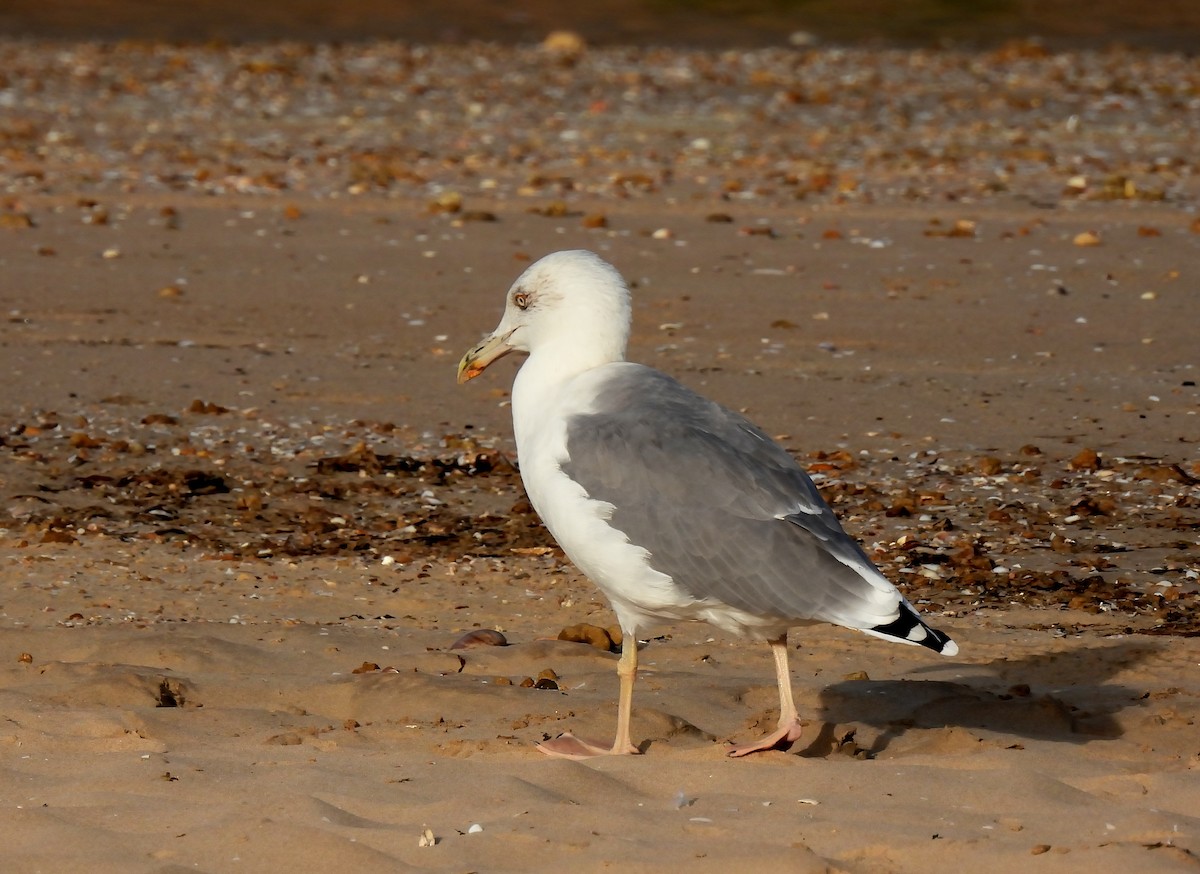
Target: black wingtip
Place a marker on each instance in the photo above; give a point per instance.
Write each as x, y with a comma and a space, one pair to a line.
910, 628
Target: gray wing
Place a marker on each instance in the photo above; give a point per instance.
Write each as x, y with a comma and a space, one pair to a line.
720, 507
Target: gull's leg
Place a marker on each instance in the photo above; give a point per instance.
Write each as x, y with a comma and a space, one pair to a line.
626, 673
789, 730
567, 746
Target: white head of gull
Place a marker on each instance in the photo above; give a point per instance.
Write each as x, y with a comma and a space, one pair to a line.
676, 507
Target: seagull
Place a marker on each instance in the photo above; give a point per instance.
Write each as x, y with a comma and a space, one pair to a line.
677, 508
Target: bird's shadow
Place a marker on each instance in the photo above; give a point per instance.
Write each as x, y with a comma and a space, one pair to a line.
1058, 697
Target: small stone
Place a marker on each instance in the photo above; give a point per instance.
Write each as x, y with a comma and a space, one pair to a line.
446, 202
989, 465
480, 637
564, 43
16, 220
553, 209
592, 635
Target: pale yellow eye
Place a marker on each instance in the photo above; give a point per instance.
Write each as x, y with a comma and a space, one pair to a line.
521, 300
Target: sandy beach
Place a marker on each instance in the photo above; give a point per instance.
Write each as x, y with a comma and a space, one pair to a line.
247, 512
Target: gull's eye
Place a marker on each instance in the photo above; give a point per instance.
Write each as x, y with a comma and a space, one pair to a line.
521, 300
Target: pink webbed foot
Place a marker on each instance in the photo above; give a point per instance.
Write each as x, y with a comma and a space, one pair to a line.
781, 739
568, 746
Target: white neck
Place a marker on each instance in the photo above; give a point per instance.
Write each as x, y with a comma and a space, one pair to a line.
539, 387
